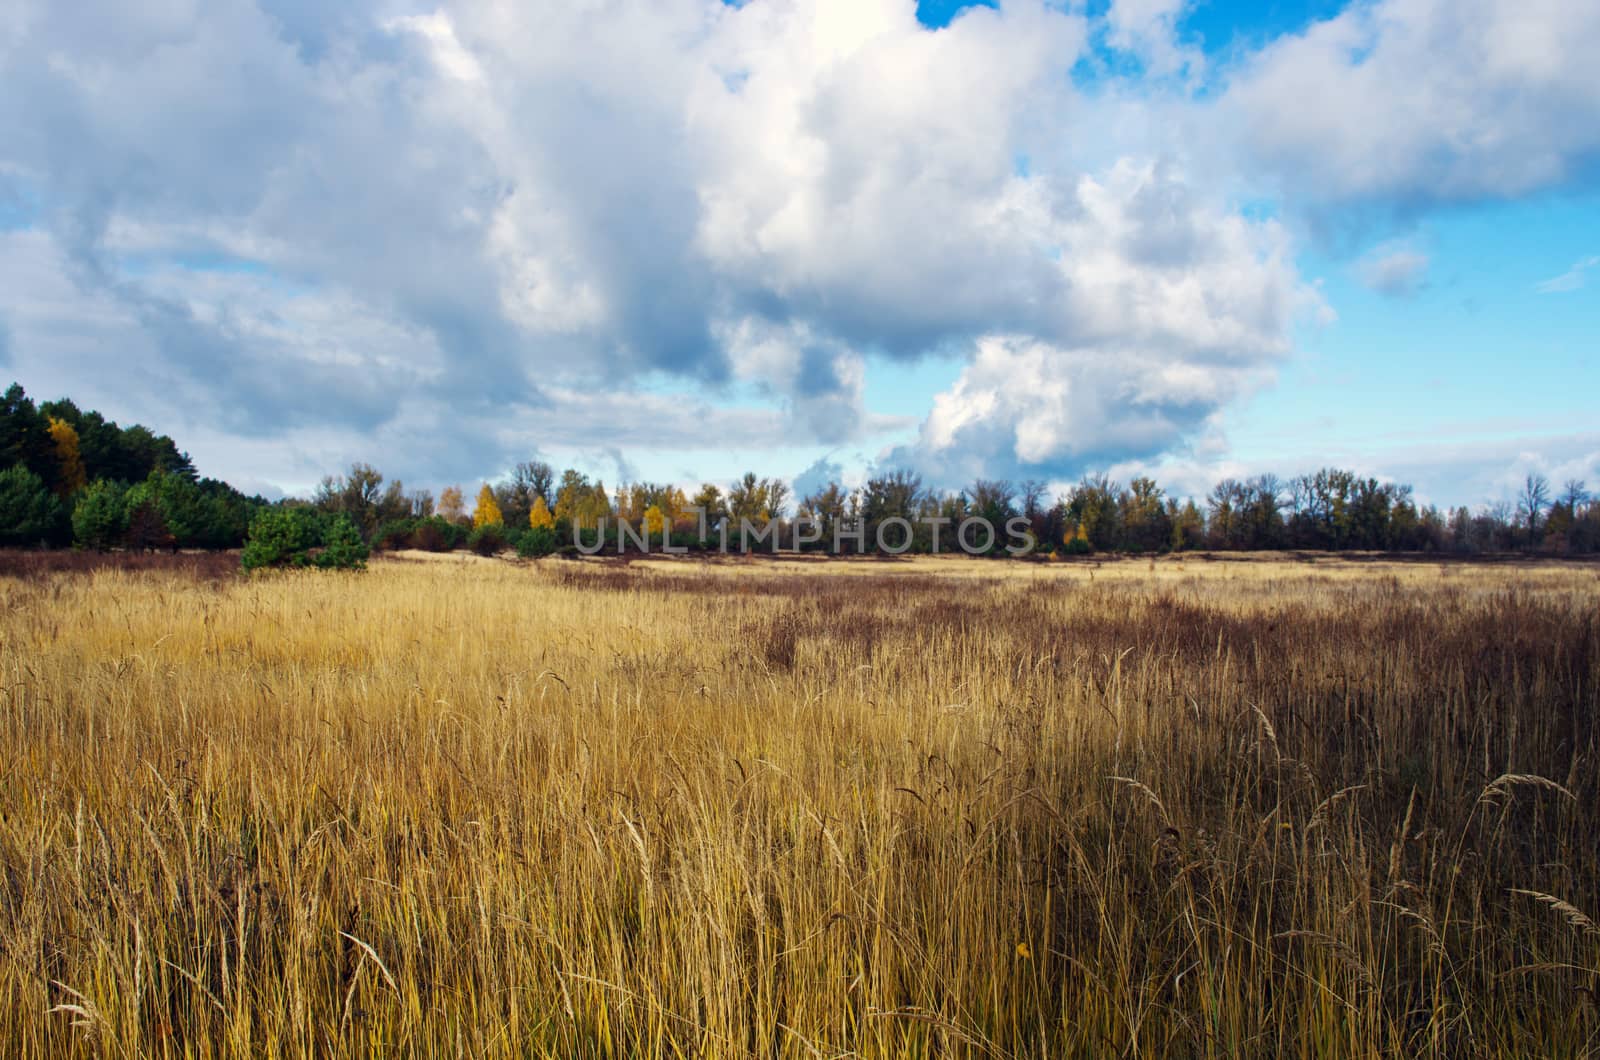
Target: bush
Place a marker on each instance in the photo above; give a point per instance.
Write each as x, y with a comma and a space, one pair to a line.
100, 519
437, 534
432, 534
1076, 546
394, 534
488, 539
29, 513
539, 541
280, 537
343, 548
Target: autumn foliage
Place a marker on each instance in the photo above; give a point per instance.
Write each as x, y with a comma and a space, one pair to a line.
71, 477
487, 511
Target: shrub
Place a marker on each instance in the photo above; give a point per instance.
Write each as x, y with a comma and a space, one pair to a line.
437, 534
280, 537
488, 539
343, 548
394, 534
29, 513
539, 541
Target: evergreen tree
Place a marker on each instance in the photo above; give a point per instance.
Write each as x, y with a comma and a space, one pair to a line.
29, 513
280, 537
343, 548
100, 517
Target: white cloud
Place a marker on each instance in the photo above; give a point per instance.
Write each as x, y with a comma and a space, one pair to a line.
440, 33
385, 226
1414, 102
1393, 269
1148, 29
1172, 307
1571, 280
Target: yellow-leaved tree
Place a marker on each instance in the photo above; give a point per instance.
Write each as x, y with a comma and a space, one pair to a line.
654, 520
487, 513
65, 437
540, 517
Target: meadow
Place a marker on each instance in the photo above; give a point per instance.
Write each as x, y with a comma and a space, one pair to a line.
931, 808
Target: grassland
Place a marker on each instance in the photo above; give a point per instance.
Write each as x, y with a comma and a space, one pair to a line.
920, 809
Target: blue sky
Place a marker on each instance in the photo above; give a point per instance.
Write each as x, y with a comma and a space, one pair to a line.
814, 238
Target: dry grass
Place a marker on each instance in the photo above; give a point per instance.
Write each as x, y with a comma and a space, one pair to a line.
940, 808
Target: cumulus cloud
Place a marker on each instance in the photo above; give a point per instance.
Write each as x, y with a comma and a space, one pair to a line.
1172, 307
327, 216
444, 233
1411, 103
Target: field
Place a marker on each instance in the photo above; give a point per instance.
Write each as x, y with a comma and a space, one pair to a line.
936, 808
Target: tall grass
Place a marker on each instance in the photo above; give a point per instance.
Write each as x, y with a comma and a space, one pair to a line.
924, 810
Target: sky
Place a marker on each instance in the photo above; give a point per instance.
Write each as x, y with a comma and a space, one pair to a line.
675, 240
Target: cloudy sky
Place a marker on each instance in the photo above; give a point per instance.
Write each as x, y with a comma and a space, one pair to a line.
675, 239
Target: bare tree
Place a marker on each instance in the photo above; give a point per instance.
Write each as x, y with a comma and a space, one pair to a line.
1534, 500
1032, 492
536, 477
1574, 494
991, 498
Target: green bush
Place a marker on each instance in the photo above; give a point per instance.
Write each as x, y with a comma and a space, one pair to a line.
488, 540
437, 534
539, 541
29, 513
394, 534
343, 548
280, 537
100, 518
432, 534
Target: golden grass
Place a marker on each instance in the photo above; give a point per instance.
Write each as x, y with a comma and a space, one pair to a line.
938, 808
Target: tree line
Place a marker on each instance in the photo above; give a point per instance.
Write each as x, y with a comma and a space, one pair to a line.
538, 511
73, 478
